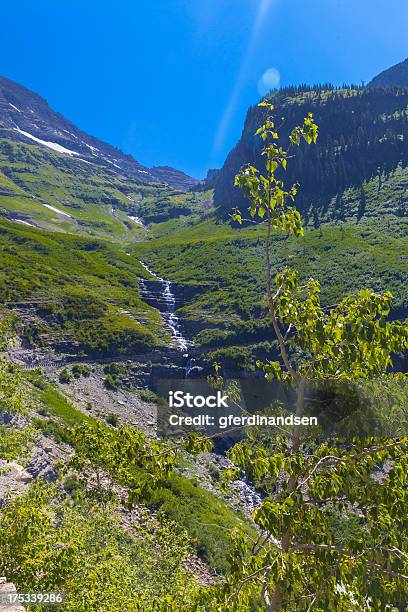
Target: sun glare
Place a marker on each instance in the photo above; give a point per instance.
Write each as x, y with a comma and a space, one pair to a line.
264, 7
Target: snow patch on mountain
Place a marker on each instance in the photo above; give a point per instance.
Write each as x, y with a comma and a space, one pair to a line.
60, 212
136, 220
24, 222
30, 118
46, 143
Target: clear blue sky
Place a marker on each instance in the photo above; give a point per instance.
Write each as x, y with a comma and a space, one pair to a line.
170, 80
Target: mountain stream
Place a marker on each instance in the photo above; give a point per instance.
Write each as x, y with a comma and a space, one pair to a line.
165, 302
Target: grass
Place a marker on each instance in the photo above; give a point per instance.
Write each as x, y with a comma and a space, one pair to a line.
54, 270
219, 266
207, 518
83, 272
55, 402
230, 267
224, 265
97, 203
97, 200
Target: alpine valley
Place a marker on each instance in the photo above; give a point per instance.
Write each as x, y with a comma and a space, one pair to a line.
116, 275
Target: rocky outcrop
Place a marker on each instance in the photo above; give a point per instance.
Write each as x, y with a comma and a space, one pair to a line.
43, 457
14, 479
176, 178
8, 588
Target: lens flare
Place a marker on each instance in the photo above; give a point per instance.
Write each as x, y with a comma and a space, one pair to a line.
269, 80
263, 9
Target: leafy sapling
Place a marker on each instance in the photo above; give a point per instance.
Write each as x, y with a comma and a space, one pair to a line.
298, 562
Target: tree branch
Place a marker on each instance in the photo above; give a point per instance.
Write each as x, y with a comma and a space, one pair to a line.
348, 553
271, 308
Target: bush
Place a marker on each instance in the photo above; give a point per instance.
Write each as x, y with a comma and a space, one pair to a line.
64, 376
148, 396
112, 419
80, 549
114, 368
206, 518
38, 383
79, 370
75, 306
76, 371
214, 472
111, 383
71, 485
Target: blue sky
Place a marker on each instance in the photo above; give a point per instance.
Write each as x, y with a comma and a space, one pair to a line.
170, 81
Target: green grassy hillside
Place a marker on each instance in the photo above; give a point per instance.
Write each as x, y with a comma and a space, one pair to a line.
222, 265
85, 198
366, 247
80, 289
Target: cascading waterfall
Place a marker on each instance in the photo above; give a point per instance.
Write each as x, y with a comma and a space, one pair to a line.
168, 306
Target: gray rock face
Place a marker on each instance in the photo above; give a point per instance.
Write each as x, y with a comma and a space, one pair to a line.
26, 116
14, 479
173, 177
41, 465
5, 589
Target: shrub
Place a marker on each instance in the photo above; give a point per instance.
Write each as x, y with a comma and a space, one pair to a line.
112, 419
148, 396
64, 376
79, 370
214, 472
71, 485
114, 368
111, 383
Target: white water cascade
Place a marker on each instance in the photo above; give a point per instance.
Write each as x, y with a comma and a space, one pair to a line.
167, 303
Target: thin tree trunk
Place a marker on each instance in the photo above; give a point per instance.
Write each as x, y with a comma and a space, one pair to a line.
276, 601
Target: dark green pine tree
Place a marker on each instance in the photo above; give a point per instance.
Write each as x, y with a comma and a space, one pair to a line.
362, 204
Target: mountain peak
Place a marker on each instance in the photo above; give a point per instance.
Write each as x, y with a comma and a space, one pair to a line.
396, 76
174, 177
26, 116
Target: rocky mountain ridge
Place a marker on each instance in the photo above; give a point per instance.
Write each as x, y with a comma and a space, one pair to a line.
363, 134
26, 116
